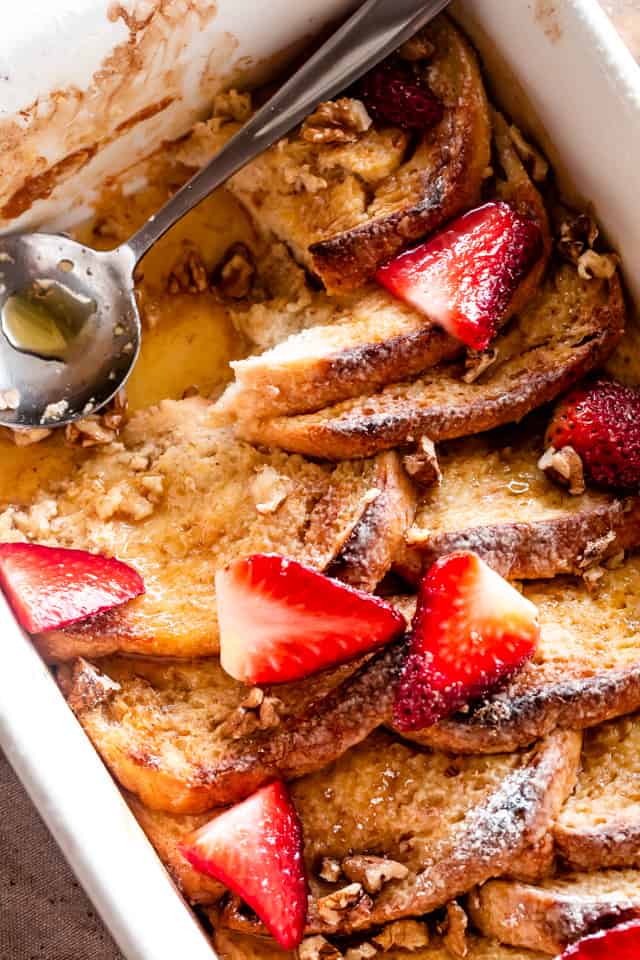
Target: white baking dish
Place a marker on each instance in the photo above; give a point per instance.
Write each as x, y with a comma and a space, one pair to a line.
563, 59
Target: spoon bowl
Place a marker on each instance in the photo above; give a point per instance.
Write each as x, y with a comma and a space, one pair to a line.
70, 328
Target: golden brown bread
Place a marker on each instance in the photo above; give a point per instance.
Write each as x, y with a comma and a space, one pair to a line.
165, 831
599, 826
449, 821
230, 945
495, 500
178, 498
344, 208
556, 913
568, 329
181, 737
586, 669
368, 339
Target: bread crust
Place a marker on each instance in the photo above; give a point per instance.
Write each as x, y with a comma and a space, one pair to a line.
551, 916
491, 830
532, 369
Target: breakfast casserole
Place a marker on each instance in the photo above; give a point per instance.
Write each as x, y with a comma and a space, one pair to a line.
343, 585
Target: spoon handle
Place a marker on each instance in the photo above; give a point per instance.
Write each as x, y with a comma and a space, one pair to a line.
372, 32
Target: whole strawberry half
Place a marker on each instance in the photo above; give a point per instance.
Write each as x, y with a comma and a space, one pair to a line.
465, 276
618, 943
392, 93
601, 421
255, 849
471, 629
51, 587
281, 621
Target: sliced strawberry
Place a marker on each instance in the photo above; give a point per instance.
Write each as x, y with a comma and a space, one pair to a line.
465, 276
255, 849
618, 943
470, 630
601, 421
280, 621
50, 587
392, 93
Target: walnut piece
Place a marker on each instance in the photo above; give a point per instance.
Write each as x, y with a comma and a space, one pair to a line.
330, 870
349, 899
417, 48
232, 105
532, 159
596, 550
336, 121
454, 930
564, 466
600, 265
373, 872
403, 934
99, 429
255, 712
476, 362
235, 274
188, 275
269, 489
318, 948
578, 232
363, 951
422, 465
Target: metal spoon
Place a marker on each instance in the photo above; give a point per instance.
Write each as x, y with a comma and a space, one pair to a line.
70, 324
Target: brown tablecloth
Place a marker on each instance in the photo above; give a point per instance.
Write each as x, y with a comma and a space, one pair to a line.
44, 915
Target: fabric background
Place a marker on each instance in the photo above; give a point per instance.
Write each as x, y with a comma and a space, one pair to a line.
44, 915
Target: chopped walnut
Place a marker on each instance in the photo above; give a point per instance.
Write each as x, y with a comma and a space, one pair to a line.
454, 930
232, 105
100, 428
351, 899
269, 489
362, 952
476, 362
318, 948
189, 275
24, 437
336, 121
373, 872
578, 233
330, 870
417, 48
235, 274
403, 934
596, 550
532, 159
134, 498
422, 465
256, 712
9, 399
565, 467
600, 265
35, 523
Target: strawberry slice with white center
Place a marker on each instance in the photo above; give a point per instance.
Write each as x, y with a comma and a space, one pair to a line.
465, 276
255, 849
281, 621
52, 587
617, 943
471, 629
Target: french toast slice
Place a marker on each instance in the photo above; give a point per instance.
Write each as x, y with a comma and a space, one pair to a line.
178, 498
183, 737
494, 499
556, 913
437, 820
599, 826
346, 207
165, 831
369, 339
568, 329
230, 945
586, 669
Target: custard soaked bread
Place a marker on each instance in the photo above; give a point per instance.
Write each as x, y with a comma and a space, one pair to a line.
367, 339
558, 912
178, 498
586, 668
599, 826
408, 830
569, 328
185, 737
346, 194
494, 499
